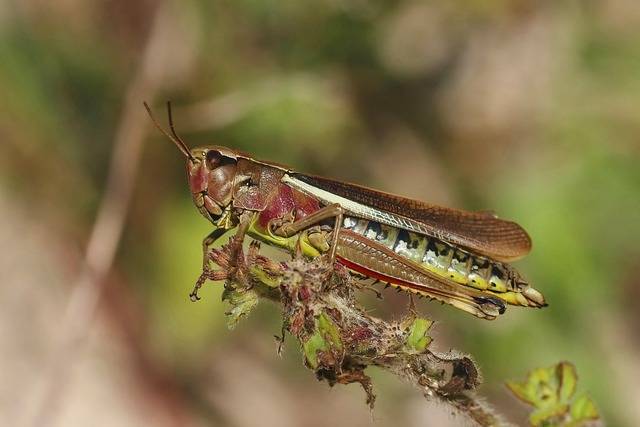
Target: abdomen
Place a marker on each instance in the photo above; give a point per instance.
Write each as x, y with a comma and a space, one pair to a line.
449, 263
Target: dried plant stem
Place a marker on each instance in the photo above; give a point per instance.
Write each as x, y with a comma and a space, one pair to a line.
107, 230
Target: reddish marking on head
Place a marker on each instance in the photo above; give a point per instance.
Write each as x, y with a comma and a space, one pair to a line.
212, 175
197, 177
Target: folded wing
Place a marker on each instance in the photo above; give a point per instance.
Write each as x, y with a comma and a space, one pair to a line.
480, 232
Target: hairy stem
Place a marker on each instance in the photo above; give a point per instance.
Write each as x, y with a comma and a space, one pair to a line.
339, 339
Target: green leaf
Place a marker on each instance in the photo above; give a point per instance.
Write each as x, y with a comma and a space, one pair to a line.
568, 377
540, 389
418, 339
550, 391
312, 346
242, 303
326, 338
520, 391
546, 415
329, 331
583, 409
264, 277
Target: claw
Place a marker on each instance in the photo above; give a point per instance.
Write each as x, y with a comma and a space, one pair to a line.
193, 296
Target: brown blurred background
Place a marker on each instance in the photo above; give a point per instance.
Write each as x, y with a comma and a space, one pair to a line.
529, 108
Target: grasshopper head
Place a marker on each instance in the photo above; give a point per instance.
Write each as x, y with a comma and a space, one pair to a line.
212, 173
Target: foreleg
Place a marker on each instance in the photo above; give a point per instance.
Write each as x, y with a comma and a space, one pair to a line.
231, 262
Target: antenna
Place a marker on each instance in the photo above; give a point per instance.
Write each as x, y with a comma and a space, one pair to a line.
174, 138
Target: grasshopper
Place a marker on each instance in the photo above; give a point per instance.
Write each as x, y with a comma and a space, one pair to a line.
457, 257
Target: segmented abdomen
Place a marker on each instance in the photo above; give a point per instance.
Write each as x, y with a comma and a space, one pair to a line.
438, 257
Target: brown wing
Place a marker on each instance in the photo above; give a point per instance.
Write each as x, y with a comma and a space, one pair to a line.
480, 232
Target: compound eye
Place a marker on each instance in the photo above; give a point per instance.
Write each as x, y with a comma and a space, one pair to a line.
213, 159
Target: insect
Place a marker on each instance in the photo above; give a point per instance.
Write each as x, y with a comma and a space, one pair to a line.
457, 257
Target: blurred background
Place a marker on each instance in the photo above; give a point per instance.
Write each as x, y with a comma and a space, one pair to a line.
529, 108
